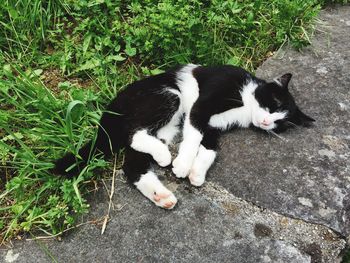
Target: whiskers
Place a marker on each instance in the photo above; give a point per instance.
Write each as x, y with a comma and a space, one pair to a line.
276, 135
236, 100
292, 124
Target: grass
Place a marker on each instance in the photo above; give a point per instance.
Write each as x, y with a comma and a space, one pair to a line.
63, 60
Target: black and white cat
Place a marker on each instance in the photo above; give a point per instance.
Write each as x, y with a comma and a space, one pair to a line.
145, 117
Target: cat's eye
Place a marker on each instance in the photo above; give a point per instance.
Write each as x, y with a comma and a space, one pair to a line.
278, 102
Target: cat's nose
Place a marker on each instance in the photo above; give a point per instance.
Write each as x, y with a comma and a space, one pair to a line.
265, 122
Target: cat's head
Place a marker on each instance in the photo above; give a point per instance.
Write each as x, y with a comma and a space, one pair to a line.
277, 110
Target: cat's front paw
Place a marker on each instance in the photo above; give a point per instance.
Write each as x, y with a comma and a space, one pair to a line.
196, 177
163, 157
164, 199
181, 167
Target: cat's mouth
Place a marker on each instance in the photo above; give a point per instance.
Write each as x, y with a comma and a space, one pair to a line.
270, 121
265, 124
267, 127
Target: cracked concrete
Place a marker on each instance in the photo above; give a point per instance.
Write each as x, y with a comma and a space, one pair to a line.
307, 175
266, 199
209, 225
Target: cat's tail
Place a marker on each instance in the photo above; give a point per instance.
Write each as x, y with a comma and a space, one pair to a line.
71, 165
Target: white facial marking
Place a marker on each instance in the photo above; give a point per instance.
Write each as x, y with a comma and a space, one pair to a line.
143, 142
150, 186
201, 165
266, 120
250, 112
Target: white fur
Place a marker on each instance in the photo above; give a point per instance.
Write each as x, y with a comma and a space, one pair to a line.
169, 131
188, 86
174, 91
143, 142
201, 165
188, 149
250, 112
150, 186
238, 116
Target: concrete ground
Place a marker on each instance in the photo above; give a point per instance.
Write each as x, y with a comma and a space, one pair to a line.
266, 199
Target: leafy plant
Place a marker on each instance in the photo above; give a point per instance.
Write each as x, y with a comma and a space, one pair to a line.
38, 130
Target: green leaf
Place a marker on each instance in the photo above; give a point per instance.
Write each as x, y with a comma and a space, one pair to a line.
17, 209
65, 85
236, 11
130, 51
38, 72
90, 64
115, 58
7, 70
10, 137
233, 61
13, 12
70, 116
76, 183
86, 43
156, 71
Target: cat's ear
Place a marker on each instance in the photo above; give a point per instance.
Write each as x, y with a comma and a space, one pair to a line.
303, 119
283, 80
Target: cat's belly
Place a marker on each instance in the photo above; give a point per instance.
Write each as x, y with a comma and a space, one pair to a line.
171, 129
188, 95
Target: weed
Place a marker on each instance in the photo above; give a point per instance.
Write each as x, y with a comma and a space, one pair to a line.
39, 130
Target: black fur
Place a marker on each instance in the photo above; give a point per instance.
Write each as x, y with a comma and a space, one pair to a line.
147, 104
276, 97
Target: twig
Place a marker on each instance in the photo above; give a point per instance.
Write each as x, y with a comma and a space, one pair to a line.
60, 233
278, 136
110, 197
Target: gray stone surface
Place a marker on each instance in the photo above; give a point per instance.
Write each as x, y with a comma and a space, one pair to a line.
266, 200
307, 175
209, 225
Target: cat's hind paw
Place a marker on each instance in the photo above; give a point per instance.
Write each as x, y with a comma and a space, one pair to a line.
196, 178
166, 200
150, 186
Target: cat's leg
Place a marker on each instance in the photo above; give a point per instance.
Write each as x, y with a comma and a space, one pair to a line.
151, 187
205, 157
143, 142
138, 171
188, 149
